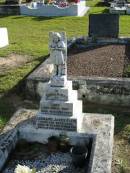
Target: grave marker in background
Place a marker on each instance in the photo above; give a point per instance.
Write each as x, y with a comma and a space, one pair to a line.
104, 25
3, 37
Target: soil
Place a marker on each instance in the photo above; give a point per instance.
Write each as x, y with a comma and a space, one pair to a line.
104, 61
12, 61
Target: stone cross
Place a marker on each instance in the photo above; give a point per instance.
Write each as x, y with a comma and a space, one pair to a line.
58, 53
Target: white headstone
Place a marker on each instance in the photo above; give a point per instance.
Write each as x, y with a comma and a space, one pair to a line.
59, 107
3, 37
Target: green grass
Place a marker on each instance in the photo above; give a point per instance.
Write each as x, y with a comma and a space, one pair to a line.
3, 121
2, 1
6, 111
29, 35
12, 78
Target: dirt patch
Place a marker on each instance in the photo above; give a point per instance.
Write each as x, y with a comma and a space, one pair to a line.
105, 61
13, 61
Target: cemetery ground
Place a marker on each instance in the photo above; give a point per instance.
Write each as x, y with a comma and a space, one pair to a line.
28, 47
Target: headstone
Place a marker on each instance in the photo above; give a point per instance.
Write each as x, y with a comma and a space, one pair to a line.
13, 1
59, 107
103, 25
120, 3
118, 7
3, 37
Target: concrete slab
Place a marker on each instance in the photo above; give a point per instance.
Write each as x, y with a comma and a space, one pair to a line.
98, 126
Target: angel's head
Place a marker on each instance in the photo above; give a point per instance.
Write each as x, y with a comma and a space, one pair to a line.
56, 37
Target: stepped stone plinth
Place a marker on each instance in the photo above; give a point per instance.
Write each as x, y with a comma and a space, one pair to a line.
60, 108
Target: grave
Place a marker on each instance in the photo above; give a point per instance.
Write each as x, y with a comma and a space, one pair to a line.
61, 112
3, 37
119, 7
59, 107
99, 82
55, 8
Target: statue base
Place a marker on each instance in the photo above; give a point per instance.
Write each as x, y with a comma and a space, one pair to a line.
58, 81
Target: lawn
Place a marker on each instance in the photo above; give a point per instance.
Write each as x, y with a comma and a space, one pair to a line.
29, 35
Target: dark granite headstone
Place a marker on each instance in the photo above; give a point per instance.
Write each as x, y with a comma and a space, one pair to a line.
104, 25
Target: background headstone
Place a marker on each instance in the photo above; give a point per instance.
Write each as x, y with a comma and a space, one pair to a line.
104, 25
3, 37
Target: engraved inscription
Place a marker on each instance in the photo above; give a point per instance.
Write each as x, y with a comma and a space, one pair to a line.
57, 123
56, 95
56, 109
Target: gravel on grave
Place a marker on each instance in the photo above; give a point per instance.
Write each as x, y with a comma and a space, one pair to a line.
42, 161
102, 61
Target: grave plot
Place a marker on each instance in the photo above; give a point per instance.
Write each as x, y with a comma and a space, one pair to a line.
55, 8
98, 65
99, 61
60, 122
38, 156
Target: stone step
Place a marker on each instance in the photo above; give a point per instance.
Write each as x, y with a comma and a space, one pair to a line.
73, 95
77, 108
56, 107
58, 81
59, 93
56, 123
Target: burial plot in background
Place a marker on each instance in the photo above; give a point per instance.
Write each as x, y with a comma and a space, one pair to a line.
104, 25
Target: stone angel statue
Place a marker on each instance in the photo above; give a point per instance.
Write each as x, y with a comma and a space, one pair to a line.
58, 52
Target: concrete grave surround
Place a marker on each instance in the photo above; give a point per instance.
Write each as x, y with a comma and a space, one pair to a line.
61, 111
100, 127
98, 90
3, 37
77, 9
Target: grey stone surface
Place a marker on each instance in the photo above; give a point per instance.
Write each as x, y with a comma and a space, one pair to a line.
10, 134
103, 25
112, 91
98, 126
58, 52
8, 142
